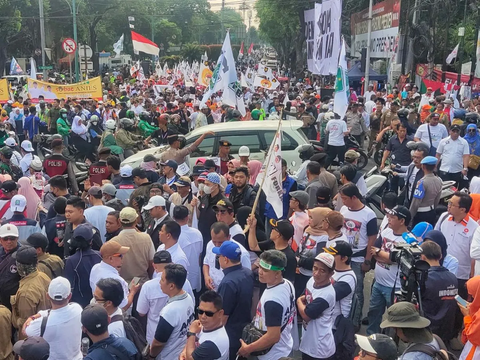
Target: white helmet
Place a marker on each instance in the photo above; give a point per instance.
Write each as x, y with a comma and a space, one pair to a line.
94, 119
329, 116
110, 124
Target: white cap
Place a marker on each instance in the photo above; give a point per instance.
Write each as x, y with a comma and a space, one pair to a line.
18, 203
59, 289
156, 200
126, 171
36, 163
8, 230
327, 259
27, 146
10, 142
244, 151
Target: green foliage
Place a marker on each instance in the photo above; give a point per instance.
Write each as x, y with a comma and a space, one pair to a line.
171, 60
191, 52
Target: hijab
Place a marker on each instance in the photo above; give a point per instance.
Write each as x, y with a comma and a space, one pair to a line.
472, 332
473, 140
318, 215
26, 189
235, 163
254, 166
437, 237
149, 165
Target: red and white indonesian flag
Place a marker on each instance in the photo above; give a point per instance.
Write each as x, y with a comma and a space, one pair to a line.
141, 43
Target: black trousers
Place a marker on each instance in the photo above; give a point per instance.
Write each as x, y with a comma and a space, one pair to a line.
457, 177
308, 357
462, 291
428, 216
333, 152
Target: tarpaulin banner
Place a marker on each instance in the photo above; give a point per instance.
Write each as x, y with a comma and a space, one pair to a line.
88, 89
385, 23
310, 38
4, 92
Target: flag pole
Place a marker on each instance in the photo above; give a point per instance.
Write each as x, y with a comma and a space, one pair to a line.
255, 203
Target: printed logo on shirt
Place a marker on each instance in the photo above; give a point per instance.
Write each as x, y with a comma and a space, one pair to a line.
18, 223
13, 269
419, 192
126, 187
352, 231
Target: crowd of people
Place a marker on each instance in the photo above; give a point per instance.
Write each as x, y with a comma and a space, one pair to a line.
154, 262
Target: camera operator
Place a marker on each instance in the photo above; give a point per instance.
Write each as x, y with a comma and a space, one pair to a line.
441, 286
386, 278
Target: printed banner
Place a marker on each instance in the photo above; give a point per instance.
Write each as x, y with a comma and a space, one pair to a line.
310, 37
4, 92
385, 24
88, 89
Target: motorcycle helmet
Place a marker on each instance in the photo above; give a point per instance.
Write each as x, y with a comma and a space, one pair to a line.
130, 114
126, 123
403, 113
63, 111
329, 116
471, 118
305, 151
144, 116
110, 124
94, 119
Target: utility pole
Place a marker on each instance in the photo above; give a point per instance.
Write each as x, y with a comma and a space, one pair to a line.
461, 33
221, 20
409, 60
369, 40
74, 16
477, 47
42, 38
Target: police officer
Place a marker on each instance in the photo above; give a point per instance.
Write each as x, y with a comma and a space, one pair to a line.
98, 171
427, 193
57, 164
9, 278
126, 187
224, 155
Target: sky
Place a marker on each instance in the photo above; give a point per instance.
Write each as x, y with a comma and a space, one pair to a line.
235, 4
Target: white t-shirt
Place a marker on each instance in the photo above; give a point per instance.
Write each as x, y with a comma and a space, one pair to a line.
452, 154
386, 274
217, 274
116, 328
331, 242
63, 331
97, 216
335, 129
344, 305
282, 294
151, 302
103, 271
308, 246
191, 242
317, 340
215, 341
179, 313
438, 133
358, 226
178, 257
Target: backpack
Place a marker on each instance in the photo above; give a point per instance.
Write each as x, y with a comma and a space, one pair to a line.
134, 332
442, 354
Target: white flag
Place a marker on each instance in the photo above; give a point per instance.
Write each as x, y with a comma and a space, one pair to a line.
342, 89
477, 67
452, 55
265, 71
118, 46
266, 83
272, 186
33, 69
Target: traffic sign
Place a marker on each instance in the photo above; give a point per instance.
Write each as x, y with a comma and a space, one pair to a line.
84, 51
38, 52
48, 67
69, 46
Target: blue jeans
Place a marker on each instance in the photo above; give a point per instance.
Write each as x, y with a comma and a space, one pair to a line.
356, 267
380, 299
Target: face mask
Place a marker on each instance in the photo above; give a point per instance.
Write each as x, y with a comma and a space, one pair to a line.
201, 187
64, 116
207, 189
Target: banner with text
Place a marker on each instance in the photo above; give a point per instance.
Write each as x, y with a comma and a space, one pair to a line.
310, 38
88, 89
385, 24
4, 91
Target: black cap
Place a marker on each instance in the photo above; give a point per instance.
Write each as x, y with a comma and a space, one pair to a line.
209, 163
324, 194
455, 127
401, 212
223, 204
284, 227
435, 115
32, 348
341, 247
26, 255
197, 170
38, 240
224, 143
8, 186
138, 171
172, 163
162, 257
95, 319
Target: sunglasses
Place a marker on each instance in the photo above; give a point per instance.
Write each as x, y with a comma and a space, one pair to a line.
118, 255
207, 313
9, 238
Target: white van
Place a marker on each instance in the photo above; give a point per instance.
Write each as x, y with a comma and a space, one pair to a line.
257, 135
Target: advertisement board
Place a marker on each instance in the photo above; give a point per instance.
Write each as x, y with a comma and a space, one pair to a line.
88, 89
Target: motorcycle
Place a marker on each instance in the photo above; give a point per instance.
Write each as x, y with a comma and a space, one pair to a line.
350, 144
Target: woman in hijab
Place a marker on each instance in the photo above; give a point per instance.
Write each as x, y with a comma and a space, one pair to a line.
448, 261
314, 234
471, 332
33, 200
254, 166
473, 139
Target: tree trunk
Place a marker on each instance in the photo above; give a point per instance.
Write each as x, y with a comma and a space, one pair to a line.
299, 58
3, 55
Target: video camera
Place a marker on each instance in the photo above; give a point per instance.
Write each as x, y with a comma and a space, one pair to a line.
413, 271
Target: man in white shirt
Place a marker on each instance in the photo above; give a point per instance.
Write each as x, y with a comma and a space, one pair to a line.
337, 130
429, 95
26, 149
158, 211
370, 104
450, 151
368, 94
109, 294
169, 235
97, 213
61, 326
431, 133
191, 242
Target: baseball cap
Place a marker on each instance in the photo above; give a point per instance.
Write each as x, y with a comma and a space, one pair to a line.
183, 181
162, 257
302, 197
352, 155
229, 249
197, 170
32, 348
340, 247
83, 232
223, 205
10, 142
8, 186
111, 248
154, 201
126, 171
37, 240
26, 255
455, 127
27, 146
171, 163
379, 344
323, 194
327, 259
209, 163
401, 212
8, 230
109, 189
95, 318
284, 228
94, 191
435, 115
36, 163
18, 203
244, 151
128, 215
214, 178
404, 315
59, 288
429, 160
7, 152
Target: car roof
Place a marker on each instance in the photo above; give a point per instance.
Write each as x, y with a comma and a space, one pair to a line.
245, 125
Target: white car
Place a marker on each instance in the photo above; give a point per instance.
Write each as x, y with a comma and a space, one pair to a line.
257, 135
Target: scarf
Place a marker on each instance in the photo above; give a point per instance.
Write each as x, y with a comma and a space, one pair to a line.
317, 215
472, 332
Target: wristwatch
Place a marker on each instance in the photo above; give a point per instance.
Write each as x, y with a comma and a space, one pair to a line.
189, 333
367, 262
377, 251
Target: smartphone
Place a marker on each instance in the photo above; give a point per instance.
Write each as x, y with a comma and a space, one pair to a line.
134, 282
461, 300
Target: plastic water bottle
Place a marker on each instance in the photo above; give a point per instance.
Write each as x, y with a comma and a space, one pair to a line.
85, 345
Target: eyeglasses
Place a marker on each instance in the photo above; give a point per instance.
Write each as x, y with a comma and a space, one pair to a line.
208, 313
10, 238
450, 204
118, 255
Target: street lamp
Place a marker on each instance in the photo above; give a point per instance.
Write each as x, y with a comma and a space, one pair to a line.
73, 11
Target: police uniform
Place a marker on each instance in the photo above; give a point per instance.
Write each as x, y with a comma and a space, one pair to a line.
98, 171
57, 164
426, 195
126, 187
224, 161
